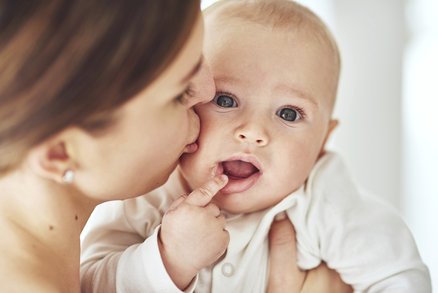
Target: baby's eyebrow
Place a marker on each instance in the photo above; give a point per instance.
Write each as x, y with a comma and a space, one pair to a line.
227, 79
298, 93
283, 88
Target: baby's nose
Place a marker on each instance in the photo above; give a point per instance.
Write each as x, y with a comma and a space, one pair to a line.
251, 134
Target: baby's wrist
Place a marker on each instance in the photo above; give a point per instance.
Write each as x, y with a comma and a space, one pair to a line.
180, 273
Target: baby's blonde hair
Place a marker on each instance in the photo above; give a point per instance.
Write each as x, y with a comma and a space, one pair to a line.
285, 15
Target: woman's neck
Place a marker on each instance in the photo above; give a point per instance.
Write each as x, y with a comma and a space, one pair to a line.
41, 222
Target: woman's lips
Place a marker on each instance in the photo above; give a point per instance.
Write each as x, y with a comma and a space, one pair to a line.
191, 148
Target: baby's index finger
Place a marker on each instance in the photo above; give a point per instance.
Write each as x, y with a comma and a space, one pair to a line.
203, 195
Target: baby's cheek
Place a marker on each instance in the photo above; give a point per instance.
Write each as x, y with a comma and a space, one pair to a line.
291, 176
190, 170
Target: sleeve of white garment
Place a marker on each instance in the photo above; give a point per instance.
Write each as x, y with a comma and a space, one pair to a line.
361, 237
120, 248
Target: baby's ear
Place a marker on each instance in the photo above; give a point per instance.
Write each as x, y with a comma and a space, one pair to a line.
333, 123
51, 159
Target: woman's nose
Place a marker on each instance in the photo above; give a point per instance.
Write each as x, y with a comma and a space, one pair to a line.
253, 134
202, 86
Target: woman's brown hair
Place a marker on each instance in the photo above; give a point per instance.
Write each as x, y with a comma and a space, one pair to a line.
72, 62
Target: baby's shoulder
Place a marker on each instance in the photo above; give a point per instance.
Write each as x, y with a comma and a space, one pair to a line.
334, 191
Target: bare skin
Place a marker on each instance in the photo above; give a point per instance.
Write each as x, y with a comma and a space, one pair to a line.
37, 253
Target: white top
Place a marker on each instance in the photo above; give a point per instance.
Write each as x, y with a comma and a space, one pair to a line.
359, 236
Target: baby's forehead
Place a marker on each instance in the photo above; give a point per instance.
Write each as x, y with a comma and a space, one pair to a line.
280, 17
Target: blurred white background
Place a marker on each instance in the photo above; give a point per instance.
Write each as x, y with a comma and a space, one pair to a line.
388, 95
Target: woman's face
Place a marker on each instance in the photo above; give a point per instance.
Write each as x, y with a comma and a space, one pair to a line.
153, 130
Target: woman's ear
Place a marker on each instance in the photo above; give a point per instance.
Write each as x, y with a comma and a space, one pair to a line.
333, 123
53, 160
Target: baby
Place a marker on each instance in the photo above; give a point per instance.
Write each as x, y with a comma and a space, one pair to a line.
276, 69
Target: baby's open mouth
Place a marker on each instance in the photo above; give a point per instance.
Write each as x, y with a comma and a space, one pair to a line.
241, 175
238, 169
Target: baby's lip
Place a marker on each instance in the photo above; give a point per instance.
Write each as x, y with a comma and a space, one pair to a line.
245, 158
241, 181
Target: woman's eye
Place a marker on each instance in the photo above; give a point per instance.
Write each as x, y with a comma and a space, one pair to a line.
182, 98
289, 114
225, 101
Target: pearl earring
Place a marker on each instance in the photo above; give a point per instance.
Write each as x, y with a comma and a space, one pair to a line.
68, 176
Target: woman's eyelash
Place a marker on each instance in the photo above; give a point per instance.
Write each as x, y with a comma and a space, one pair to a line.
185, 95
181, 98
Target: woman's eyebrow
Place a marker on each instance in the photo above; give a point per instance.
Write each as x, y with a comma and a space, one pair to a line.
194, 70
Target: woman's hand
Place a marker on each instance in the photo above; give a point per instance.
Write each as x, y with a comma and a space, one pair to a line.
285, 276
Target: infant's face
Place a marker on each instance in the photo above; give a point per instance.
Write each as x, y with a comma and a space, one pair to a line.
268, 122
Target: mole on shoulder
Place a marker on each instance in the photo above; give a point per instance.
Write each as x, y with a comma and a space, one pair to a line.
51, 227
76, 217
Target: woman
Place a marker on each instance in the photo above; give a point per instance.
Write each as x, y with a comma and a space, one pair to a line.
95, 104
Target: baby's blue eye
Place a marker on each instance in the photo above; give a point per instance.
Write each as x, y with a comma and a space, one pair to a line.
225, 101
288, 114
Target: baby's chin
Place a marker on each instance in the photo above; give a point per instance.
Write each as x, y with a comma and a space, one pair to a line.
250, 201
233, 207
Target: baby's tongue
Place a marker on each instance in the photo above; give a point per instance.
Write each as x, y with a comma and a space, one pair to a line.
238, 169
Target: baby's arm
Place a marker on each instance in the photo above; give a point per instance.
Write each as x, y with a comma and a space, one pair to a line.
117, 258
358, 235
284, 274
120, 247
361, 237
372, 249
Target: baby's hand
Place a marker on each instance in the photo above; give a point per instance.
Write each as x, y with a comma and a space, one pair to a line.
193, 234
